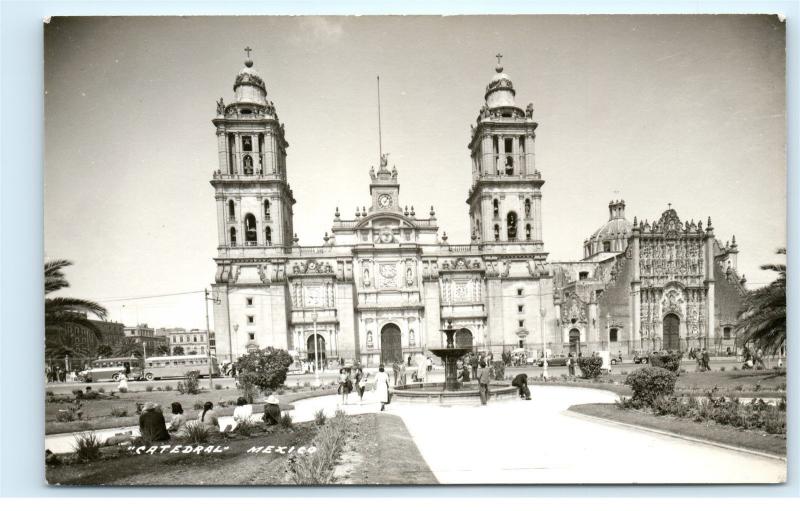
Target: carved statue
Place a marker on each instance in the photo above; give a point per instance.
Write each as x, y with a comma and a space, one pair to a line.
529, 111
394, 172
366, 280
384, 160
220, 107
409, 276
372, 172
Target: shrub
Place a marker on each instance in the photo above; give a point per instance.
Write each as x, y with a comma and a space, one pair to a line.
218, 386
263, 370
246, 428
148, 388
222, 404
196, 433
648, 383
735, 368
159, 389
87, 446
317, 467
319, 417
757, 387
71, 414
198, 405
168, 388
590, 366
739, 388
117, 411
668, 361
189, 384
123, 391
285, 420
625, 403
49, 393
722, 369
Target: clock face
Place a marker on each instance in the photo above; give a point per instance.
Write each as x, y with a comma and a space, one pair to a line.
384, 201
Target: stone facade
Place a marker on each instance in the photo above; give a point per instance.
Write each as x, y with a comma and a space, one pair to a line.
386, 281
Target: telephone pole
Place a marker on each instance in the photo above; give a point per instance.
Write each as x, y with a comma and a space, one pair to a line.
208, 345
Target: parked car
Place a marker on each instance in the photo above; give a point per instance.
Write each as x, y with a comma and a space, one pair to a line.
616, 359
552, 361
642, 358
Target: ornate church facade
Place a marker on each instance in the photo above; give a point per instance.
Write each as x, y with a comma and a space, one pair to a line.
385, 282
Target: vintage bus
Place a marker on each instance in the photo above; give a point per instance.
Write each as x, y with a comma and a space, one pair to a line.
111, 369
176, 366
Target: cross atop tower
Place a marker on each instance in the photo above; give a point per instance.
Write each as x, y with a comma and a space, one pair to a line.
499, 56
248, 50
669, 205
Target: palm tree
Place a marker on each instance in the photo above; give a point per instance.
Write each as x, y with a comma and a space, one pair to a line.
762, 320
62, 313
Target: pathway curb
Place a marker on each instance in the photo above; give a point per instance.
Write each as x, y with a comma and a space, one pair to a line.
584, 416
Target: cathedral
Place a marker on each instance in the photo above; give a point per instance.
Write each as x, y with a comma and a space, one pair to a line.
386, 281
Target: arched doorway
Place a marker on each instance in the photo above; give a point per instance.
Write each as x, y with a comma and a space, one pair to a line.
574, 341
320, 345
463, 338
672, 339
391, 347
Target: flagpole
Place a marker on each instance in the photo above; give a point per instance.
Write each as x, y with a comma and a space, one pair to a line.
380, 141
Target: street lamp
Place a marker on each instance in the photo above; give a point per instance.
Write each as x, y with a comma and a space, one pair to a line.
316, 348
542, 314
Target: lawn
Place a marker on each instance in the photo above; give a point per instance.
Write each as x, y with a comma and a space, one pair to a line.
234, 466
722, 434
768, 383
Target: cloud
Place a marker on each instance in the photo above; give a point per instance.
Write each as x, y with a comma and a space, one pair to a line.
320, 29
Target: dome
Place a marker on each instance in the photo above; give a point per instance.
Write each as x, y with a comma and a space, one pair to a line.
500, 91
249, 87
611, 236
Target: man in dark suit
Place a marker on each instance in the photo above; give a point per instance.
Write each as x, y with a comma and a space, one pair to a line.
484, 377
521, 382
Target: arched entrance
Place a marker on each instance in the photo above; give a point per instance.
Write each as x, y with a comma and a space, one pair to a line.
320, 345
391, 347
463, 338
672, 339
574, 341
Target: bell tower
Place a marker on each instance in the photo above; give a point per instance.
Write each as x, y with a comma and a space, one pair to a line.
505, 197
254, 199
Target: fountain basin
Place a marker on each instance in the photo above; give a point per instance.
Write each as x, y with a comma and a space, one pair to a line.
467, 394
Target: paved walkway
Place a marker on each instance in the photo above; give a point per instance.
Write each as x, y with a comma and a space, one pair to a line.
536, 442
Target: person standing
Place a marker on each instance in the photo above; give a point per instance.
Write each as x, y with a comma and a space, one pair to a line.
570, 364
473, 363
122, 386
361, 384
484, 377
395, 371
759, 361
344, 383
382, 387
401, 379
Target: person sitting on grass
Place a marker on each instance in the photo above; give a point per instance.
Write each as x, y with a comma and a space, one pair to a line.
90, 394
208, 416
177, 425
152, 426
272, 411
521, 382
243, 411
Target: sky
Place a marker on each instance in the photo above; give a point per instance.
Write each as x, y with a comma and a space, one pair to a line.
687, 110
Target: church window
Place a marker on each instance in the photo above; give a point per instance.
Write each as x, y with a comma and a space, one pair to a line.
496, 208
606, 246
583, 275
250, 236
726, 332
268, 235
527, 208
521, 323
496, 232
613, 335
249, 301
528, 232
509, 166
231, 210
233, 236
519, 308
511, 225
519, 291
247, 144
267, 209
247, 164
251, 320
251, 336
508, 145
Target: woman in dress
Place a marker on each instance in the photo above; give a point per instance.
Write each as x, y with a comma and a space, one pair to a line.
122, 386
208, 417
344, 385
382, 387
177, 426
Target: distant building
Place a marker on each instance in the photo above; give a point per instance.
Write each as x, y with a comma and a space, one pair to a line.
83, 341
143, 334
192, 341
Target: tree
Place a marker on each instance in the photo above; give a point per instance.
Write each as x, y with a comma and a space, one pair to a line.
128, 348
762, 320
104, 350
61, 313
162, 350
177, 350
193, 352
264, 370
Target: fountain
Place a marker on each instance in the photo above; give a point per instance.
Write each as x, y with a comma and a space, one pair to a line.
452, 391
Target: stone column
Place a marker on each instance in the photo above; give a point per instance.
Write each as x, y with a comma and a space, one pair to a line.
636, 319
515, 156
239, 223
222, 150
487, 164
711, 329
221, 217
536, 235
530, 164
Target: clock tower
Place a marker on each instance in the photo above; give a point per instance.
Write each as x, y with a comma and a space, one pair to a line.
384, 188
